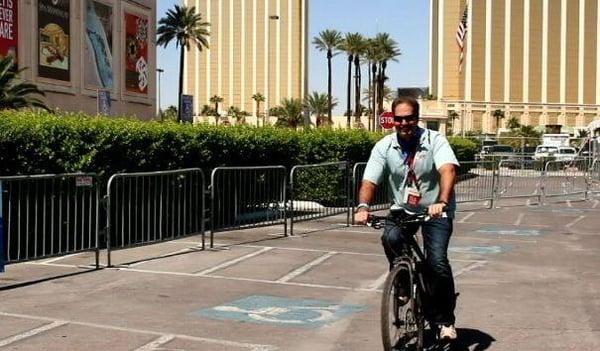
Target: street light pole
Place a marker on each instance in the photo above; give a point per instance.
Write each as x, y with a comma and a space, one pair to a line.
159, 71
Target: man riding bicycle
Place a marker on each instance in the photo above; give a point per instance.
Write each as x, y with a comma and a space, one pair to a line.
420, 168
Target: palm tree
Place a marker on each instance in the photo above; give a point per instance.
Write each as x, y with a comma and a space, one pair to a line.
290, 113
370, 57
216, 99
498, 115
352, 44
186, 27
258, 98
317, 104
387, 49
14, 93
328, 40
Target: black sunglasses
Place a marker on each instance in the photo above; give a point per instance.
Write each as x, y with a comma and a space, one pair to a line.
408, 119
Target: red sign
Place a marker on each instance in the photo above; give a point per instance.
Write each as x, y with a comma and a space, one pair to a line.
8, 28
386, 120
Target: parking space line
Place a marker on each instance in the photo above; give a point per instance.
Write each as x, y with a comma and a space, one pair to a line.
491, 223
574, 221
155, 344
30, 333
377, 283
61, 258
596, 202
519, 218
316, 250
462, 220
469, 268
233, 262
227, 343
300, 270
161, 256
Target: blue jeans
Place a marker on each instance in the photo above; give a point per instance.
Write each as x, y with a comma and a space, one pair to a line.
436, 236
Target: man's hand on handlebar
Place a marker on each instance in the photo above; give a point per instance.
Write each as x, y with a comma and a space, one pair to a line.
436, 210
361, 216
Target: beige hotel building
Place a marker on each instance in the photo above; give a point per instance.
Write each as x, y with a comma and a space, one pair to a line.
537, 60
255, 46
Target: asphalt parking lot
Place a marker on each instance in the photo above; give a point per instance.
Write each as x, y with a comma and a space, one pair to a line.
527, 276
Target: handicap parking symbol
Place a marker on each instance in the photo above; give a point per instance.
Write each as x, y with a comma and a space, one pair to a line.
281, 311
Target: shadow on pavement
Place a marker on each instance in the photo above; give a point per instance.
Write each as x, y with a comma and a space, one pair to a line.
472, 340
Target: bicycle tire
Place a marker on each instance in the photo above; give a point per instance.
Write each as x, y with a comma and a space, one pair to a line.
402, 319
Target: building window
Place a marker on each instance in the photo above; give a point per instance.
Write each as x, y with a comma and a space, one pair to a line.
433, 125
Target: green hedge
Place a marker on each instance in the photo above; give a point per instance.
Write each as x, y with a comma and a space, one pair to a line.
39, 142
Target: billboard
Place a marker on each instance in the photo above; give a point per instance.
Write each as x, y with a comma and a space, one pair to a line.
54, 44
187, 108
104, 102
136, 54
98, 59
9, 28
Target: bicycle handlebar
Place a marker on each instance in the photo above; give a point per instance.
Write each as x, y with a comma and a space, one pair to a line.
399, 217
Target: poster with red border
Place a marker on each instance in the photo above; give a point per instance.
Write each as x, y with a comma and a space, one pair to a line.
9, 28
136, 54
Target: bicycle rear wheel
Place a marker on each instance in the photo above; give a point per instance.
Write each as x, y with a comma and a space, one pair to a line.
401, 323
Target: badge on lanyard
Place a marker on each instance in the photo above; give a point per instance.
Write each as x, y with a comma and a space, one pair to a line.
412, 195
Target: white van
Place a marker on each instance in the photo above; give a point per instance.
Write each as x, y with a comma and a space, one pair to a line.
566, 153
543, 151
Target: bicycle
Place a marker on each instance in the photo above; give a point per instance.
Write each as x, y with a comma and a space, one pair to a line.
403, 313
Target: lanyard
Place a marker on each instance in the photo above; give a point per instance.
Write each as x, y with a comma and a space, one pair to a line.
411, 177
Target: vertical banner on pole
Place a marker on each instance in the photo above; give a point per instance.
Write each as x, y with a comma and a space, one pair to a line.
1, 231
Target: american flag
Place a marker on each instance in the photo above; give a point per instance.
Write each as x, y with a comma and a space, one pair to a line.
461, 33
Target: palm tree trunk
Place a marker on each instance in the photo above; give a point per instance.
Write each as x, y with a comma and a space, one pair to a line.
216, 113
348, 90
257, 109
181, 63
357, 77
329, 83
374, 95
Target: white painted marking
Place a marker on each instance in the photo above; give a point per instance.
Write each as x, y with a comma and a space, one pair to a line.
377, 283
187, 249
300, 270
317, 250
234, 262
61, 258
464, 219
519, 218
569, 203
596, 202
30, 333
155, 344
574, 221
228, 343
492, 223
470, 268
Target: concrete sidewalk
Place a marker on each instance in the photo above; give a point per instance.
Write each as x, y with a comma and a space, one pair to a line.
527, 275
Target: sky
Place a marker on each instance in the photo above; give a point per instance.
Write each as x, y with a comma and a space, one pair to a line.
407, 22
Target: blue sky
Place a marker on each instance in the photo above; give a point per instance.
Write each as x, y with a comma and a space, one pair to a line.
407, 24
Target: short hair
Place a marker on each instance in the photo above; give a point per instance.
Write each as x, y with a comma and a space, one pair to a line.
407, 100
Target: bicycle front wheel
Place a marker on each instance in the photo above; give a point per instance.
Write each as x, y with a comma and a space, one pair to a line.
400, 323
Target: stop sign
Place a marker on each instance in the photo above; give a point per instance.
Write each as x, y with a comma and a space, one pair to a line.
386, 120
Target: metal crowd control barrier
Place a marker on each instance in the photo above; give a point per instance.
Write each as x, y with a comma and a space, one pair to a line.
149, 207
382, 194
49, 215
244, 197
594, 177
476, 182
319, 190
520, 178
565, 179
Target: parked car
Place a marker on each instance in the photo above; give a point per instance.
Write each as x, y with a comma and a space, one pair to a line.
501, 151
519, 162
566, 153
544, 151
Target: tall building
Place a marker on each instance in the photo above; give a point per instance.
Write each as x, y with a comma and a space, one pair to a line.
255, 46
536, 60
74, 48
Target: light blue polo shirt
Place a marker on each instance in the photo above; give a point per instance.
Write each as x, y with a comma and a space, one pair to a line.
386, 163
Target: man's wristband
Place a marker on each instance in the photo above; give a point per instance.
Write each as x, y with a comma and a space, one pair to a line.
362, 205
442, 202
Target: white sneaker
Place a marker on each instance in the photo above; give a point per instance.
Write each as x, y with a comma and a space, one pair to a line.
447, 333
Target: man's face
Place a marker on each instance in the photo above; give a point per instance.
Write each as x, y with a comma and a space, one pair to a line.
404, 121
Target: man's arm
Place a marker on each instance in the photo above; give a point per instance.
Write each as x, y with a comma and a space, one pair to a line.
365, 196
447, 180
